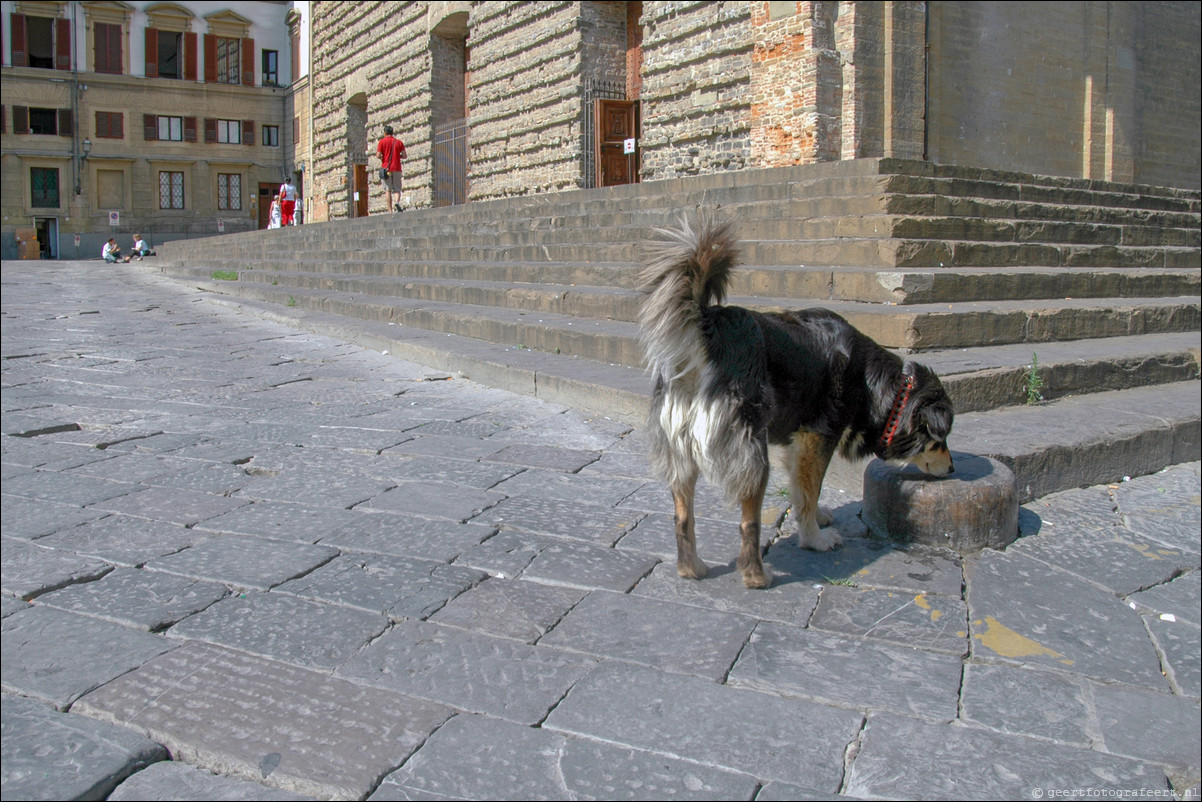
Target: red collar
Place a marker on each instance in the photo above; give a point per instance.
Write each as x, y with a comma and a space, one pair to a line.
894, 419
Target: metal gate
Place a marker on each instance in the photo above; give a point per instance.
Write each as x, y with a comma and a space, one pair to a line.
595, 90
450, 163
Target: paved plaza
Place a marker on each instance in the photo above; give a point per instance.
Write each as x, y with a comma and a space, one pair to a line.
246, 562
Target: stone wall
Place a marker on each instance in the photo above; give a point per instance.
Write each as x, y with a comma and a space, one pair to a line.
1105, 90
696, 95
1096, 89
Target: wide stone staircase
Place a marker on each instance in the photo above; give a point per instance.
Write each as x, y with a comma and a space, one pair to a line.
1062, 314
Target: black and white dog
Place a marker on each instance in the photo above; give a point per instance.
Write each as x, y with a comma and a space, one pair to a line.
731, 384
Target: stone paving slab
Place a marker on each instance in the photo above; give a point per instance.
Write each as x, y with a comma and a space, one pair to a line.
169, 780
1025, 612
624, 627
183, 507
456, 446
472, 757
31, 519
432, 499
1181, 598
214, 478
123, 540
28, 570
516, 609
300, 523
1041, 704
848, 672
904, 758
533, 456
285, 628
575, 519
80, 491
582, 565
314, 486
50, 755
924, 620
396, 587
1181, 648
470, 672
871, 563
280, 725
717, 540
147, 600
57, 656
133, 467
1113, 556
507, 553
693, 719
480, 475
602, 491
722, 589
243, 561
406, 536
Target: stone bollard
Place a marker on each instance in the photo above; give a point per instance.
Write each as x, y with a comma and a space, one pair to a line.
974, 508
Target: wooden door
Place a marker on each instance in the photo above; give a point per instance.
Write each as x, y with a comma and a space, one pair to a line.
616, 122
266, 193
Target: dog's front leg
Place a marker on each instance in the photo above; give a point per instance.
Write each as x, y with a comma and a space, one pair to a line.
751, 563
688, 564
811, 457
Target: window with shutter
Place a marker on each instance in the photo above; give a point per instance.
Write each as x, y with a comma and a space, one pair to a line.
150, 127
107, 48
62, 44
17, 41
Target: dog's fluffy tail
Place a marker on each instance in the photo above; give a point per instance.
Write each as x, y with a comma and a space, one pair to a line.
688, 268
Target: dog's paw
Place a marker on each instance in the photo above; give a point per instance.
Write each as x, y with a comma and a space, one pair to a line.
757, 579
695, 570
819, 540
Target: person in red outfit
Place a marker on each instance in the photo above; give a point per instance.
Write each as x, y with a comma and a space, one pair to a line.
391, 151
288, 197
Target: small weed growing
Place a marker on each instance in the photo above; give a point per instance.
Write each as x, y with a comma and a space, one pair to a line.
1033, 382
225, 275
847, 583
291, 301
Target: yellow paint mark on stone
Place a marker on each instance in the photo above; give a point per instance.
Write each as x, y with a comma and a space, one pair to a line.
1005, 641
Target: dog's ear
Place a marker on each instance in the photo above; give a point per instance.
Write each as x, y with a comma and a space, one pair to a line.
933, 407
937, 419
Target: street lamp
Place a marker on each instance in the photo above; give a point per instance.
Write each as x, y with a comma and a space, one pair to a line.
87, 148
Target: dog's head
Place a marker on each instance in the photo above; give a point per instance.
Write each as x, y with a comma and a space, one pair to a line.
923, 423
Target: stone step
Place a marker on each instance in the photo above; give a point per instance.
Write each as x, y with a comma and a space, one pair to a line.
547, 287
560, 321
1073, 441
882, 252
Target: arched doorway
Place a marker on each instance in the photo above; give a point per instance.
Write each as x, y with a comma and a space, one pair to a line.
449, 81
356, 155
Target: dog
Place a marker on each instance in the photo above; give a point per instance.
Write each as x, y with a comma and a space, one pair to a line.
735, 388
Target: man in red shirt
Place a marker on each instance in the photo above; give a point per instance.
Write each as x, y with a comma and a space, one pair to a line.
391, 150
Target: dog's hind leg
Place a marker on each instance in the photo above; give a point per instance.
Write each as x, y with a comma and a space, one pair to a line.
810, 455
688, 564
751, 562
